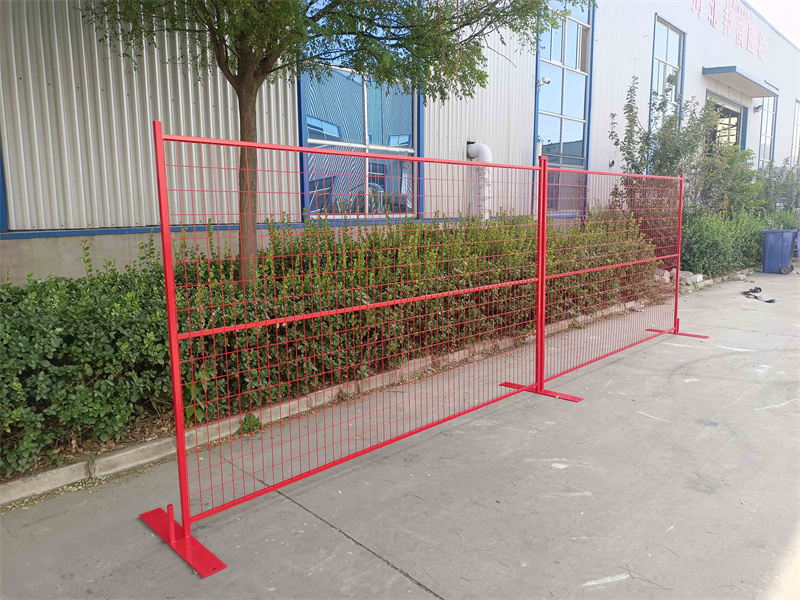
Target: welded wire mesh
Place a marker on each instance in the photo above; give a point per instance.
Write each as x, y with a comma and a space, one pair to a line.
323, 303
382, 294
612, 250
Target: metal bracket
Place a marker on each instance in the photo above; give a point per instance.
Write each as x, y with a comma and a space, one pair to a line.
188, 548
533, 388
677, 331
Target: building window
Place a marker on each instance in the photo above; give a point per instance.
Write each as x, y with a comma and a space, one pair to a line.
321, 130
349, 112
796, 136
729, 128
766, 145
403, 140
667, 63
320, 192
564, 64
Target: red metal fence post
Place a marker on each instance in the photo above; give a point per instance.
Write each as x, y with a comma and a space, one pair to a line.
541, 294
676, 328
541, 273
678, 260
179, 538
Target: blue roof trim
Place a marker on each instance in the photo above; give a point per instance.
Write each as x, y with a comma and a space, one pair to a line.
738, 71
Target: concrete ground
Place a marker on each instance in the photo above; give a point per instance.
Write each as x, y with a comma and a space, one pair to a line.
677, 477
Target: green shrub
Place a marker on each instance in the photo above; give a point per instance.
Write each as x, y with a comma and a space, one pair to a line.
79, 357
716, 245
83, 358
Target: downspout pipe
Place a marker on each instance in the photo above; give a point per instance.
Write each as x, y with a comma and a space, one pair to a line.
481, 188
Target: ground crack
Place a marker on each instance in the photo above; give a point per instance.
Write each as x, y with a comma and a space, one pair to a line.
360, 545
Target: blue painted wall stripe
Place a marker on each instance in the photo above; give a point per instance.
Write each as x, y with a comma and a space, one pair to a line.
420, 152
591, 78
3, 196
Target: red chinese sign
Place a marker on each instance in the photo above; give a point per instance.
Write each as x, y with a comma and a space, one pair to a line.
735, 19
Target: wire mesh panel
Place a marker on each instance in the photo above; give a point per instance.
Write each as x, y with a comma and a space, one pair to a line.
323, 303
359, 307
612, 250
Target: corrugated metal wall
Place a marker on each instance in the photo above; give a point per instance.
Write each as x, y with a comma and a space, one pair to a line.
500, 116
76, 120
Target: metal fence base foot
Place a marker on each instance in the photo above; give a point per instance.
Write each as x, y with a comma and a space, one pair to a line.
188, 548
671, 332
532, 388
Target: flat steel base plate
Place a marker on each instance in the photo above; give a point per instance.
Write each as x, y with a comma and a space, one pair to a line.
532, 388
669, 331
189, 549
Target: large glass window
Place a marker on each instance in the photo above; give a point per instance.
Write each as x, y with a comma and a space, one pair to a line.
349, 112
564, 64
796, 136
563, 79
766, 144
667, 62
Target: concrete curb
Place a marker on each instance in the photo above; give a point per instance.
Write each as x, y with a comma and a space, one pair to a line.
41, 483
133, 456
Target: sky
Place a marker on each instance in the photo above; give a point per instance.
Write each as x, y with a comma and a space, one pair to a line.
784, 15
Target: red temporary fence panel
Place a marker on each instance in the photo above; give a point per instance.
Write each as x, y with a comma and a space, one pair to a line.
378, 295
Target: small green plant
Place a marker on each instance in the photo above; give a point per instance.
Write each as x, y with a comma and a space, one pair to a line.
250, 424
718, 176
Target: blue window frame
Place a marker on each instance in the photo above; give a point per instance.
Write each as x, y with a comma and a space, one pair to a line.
351, 112
766, 143
563, 80
668, 50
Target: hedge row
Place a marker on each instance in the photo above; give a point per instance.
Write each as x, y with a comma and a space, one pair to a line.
715, 245
83, 358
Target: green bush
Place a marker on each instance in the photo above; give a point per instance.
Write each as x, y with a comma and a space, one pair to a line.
716, 245
79, 357
83, 358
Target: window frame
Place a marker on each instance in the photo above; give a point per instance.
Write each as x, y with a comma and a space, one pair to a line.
367, 147
678, 69
583, 59
767, 130
795, 154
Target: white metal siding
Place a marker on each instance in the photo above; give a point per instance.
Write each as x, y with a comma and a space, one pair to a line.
624, 48
500, 116
76, 119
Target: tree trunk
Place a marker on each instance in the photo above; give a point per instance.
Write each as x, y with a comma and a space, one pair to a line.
248, 189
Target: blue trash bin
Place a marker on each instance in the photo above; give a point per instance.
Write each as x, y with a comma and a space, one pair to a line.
778, 247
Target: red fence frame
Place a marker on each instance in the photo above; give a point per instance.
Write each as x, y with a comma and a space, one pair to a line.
659, 192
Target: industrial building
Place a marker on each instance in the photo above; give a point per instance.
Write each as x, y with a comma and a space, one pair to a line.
76, 149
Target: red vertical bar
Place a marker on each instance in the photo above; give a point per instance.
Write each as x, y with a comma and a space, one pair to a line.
676, 324
541, 259
172, 324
